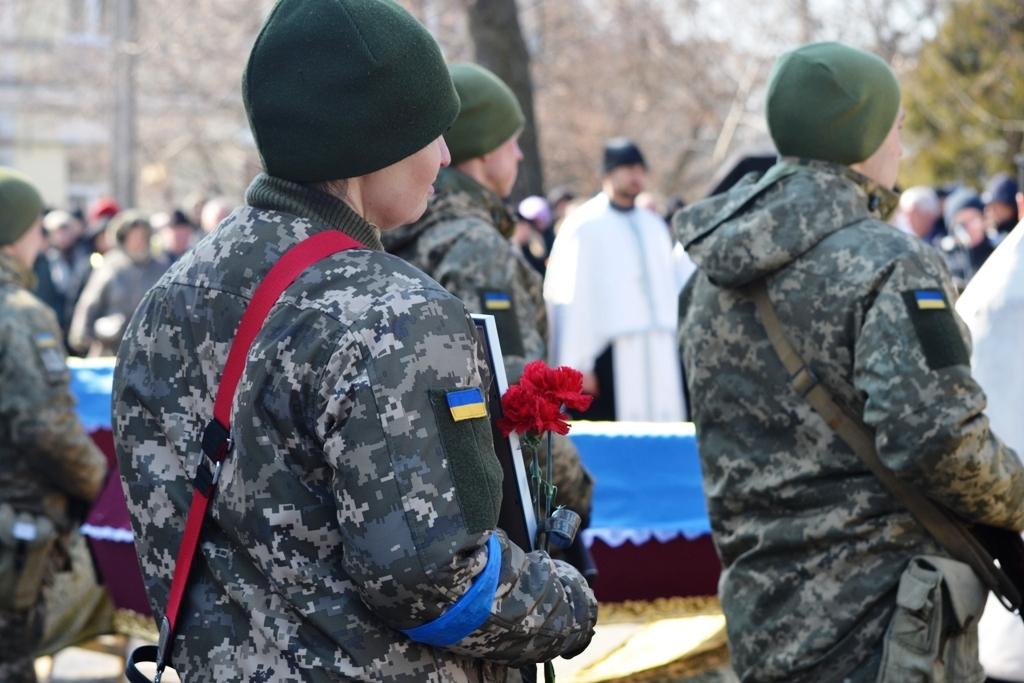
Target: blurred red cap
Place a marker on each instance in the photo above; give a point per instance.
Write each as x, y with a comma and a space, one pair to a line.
103, 207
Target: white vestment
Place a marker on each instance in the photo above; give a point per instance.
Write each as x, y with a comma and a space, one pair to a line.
993, 307
614, 280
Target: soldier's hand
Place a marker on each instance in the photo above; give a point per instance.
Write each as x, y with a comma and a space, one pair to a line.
584, 603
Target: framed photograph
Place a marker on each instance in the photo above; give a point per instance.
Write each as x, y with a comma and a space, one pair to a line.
516, 516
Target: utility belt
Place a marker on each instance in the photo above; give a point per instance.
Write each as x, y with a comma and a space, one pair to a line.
27, 544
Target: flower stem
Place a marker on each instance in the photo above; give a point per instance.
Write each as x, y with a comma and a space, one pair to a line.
550, 488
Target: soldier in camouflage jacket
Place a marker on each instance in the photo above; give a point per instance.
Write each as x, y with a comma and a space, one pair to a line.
355, 513
50, 470
462, 242
827, 577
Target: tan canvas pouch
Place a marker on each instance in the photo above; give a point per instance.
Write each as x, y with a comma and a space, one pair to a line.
933, 634
26, 544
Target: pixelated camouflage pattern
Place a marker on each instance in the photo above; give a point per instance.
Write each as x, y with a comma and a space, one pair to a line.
46, 458
337, 521
462, 242
21, 632
45, 454
811, 543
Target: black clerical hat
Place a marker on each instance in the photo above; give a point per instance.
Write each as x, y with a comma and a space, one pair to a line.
621, 152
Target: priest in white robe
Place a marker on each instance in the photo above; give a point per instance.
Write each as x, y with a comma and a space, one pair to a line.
993, 308
611, 289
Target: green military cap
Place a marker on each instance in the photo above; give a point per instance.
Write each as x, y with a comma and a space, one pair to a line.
341, 88
20, 205
489, 115
831, 102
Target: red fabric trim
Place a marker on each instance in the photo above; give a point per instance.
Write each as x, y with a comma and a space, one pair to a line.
186, 551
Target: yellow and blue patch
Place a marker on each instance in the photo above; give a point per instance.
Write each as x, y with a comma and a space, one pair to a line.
466, 404
941, 340
929, 299
51, 355
497, 301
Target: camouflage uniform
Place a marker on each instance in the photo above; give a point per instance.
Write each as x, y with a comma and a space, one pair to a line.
813, 547
462, 242
48, 465
352, 506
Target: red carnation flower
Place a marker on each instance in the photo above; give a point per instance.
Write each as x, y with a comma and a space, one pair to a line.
562, 385
528, 412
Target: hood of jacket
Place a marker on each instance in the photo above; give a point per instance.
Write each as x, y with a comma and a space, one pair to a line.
765, 222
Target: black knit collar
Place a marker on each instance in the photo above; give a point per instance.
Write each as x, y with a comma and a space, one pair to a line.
277, 194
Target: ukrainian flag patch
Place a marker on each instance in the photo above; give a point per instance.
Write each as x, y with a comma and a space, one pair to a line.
942, 342
497, 301
466, 404
929, 299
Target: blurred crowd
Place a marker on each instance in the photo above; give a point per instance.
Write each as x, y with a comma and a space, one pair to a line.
98, 264
962, 224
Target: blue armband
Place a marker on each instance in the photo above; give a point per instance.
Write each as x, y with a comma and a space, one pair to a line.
470, 611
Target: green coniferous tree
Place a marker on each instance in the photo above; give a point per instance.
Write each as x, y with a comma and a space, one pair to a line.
965, 99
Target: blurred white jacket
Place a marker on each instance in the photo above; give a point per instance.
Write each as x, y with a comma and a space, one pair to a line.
993, 308
613, 280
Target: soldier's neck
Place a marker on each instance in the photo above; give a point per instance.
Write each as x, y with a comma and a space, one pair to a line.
12, 269
475, 169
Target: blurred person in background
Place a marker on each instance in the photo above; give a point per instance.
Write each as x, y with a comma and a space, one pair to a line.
175, 236
611, 291
559, 200
967, 245
214, 211
115, 289
534, 234
1001, 212
100, 213
192, 206
918, 212
50, 470
993, 308
67, 264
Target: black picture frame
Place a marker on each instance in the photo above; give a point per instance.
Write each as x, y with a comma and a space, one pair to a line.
516, 515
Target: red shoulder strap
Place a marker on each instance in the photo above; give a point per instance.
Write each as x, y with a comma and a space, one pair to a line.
217, 435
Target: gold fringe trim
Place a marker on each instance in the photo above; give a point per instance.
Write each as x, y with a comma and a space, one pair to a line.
683, 669
643, 611
130, 623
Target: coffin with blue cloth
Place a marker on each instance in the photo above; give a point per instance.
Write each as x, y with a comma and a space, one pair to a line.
649, 531
649, 527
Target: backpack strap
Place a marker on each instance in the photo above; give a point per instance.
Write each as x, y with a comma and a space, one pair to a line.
216, 439
943, 525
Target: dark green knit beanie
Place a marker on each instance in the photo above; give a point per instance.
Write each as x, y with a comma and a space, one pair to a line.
831, 102
20, 205
489, 115
341, 88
